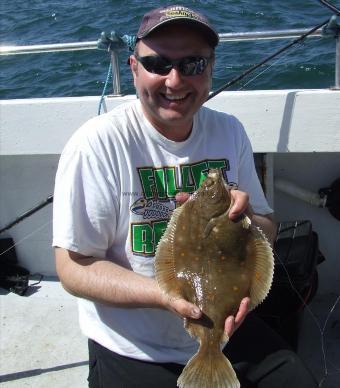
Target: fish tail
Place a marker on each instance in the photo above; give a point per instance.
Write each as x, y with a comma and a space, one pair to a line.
207, 369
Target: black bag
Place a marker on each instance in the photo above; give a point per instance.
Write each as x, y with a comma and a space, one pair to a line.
295, 282
13, 277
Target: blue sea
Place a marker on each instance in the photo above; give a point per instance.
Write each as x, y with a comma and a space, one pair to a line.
83, 73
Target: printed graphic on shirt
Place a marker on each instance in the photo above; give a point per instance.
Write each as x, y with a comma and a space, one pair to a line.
159, 188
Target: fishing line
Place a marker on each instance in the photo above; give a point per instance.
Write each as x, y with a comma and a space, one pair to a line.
325, 324
265, 60
332, 7
225, 86
26, 237
278, 60
30, 212
219, 90
315, 319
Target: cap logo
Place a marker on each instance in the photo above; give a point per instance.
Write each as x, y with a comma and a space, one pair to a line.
179, 12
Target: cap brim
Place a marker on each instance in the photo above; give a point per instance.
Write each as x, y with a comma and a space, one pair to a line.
210, 34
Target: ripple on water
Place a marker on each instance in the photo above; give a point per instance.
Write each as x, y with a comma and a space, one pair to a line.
83, 73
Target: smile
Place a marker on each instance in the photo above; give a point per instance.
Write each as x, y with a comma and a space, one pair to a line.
174, 98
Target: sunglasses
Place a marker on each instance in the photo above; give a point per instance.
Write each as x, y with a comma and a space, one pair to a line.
194, 65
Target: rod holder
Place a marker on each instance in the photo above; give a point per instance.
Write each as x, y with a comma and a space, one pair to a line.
332, 29
115, 73
337, 63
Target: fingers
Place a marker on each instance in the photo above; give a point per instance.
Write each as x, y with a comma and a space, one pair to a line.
242, 312
240, 205
182, 197
184, 308
229, 326
233, 323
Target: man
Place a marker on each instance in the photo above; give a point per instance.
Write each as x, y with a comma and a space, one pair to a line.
115, 189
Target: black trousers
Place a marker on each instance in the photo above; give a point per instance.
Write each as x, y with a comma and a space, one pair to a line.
260, 357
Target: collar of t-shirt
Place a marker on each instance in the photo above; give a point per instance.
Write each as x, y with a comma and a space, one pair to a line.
168, 144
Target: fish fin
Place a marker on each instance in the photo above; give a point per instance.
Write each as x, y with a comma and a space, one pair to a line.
246, 222
225, 339
212, 223
165, 260
206, 369
192, 329
263, 269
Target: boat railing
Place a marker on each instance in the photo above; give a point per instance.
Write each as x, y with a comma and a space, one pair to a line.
224, 37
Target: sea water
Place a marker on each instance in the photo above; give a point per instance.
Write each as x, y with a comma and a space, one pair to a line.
83, 73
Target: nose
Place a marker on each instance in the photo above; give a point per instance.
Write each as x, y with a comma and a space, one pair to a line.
174, 79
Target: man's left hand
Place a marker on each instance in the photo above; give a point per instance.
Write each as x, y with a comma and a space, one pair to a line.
233, 323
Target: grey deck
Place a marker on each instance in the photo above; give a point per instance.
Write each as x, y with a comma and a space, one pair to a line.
41, 345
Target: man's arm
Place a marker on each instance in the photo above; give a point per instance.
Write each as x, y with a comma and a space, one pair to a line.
105, 282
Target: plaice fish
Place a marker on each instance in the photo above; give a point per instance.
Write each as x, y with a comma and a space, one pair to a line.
213, 262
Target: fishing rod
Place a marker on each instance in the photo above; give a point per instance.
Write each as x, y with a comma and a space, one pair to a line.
265, 60
219, 90
330, 6
28, 213
326, 3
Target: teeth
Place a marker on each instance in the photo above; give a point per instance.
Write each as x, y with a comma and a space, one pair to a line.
173, 98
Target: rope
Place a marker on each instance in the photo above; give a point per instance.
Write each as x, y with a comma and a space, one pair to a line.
108, 77
107, 42
115, 41
112, 42
130, 41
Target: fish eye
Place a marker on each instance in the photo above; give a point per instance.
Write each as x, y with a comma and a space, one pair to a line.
209, 182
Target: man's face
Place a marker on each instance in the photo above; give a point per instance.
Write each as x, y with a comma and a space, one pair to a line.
170, 101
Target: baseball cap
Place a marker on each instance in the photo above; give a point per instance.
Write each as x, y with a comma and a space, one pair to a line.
177, 14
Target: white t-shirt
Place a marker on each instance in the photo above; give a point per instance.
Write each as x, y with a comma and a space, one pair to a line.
114, 193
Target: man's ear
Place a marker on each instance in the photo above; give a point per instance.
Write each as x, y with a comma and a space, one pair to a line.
134, 67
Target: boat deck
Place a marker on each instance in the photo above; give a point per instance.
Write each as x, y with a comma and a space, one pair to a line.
41, 344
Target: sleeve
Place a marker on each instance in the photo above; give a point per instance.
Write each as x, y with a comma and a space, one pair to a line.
85, 204
247, 175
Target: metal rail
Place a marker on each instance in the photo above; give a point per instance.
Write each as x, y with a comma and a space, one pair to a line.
267, 35
224, 37
47, 48
337, 63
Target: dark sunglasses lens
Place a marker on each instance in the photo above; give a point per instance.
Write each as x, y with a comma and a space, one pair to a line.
162, 66
193, 65
156, 65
